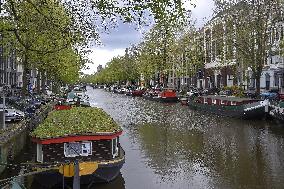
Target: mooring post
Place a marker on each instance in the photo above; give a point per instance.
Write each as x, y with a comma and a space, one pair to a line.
76, 179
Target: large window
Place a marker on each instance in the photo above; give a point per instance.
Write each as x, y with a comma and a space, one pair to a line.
39, 154
115, 147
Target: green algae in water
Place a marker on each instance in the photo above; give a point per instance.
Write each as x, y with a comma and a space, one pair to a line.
76, 121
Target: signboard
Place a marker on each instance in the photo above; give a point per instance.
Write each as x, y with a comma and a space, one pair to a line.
73, 149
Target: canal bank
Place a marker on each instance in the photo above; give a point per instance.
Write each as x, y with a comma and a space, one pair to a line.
14, 138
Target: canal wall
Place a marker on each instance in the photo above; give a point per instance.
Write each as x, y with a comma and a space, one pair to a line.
13, 138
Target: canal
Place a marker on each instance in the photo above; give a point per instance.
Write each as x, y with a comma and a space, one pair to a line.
170, 146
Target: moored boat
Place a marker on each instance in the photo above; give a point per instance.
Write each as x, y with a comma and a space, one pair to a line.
230, 106
277, 110
138, 92
183, 100
77, 100
87, 136
166, 96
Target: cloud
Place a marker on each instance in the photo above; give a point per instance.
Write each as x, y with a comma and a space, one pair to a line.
113, 44
202, 12
102, 56
121, 37
125, 35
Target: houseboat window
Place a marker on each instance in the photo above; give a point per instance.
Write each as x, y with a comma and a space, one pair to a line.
39, 154
114, 147
86, 148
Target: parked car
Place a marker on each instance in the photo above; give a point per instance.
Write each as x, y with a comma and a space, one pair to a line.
271, 95
12, 114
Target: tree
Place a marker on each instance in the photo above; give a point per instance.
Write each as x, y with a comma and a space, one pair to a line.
251, 23
48, 27
187, 53
42, 37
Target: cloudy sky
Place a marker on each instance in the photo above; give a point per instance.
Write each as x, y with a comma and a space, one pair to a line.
118, 39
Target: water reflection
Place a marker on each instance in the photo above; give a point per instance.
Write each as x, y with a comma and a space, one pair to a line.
118, 183
174, 147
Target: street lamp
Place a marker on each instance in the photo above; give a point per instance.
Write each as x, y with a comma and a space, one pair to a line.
2, 90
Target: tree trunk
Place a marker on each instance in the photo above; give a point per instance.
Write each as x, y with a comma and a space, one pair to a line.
38, 79
43, 83
257, 81
55, 87
25, 76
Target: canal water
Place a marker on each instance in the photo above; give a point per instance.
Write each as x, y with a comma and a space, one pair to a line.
169, 146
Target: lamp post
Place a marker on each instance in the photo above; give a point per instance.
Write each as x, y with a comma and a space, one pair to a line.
3, 125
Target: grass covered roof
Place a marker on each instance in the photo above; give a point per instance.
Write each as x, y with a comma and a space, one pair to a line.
76, 121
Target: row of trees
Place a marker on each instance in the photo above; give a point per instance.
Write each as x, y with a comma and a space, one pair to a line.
52, 35
245, 29
165, 46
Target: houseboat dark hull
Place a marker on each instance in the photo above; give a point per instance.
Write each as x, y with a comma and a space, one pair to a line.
106, 172
277, 113
250, 111
162, 99
278, 117
137, 93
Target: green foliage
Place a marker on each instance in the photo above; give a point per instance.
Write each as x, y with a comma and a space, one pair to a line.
44, 37
47, 34
76, 121
165, 47
236, 90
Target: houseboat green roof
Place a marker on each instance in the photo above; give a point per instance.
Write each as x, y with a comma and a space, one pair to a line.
76, 121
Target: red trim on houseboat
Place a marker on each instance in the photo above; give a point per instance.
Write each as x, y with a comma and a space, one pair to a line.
62, 107
76, 138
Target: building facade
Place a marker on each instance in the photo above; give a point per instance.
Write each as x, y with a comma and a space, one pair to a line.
223, 69
8, 69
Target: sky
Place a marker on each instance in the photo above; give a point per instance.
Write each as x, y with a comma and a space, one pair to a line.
115, 43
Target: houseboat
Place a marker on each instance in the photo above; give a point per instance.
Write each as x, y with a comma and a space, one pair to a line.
138, 92
75, 99
230, 106
87, 136
277, 110
166, 96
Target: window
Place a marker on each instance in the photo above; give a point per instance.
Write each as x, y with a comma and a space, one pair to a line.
86, 148
115, 147
39, 154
